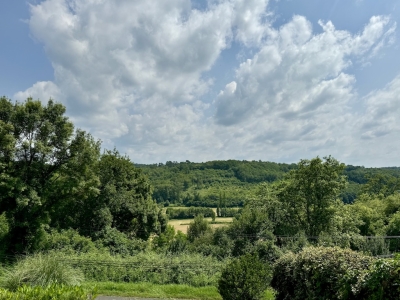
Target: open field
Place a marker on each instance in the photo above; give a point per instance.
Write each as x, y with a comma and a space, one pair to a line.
183, 224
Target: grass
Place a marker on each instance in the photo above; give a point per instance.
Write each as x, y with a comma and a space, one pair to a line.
39, 270
154, 291
182, 224
161, 291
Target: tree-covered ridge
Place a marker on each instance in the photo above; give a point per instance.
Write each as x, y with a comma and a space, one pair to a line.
233, 181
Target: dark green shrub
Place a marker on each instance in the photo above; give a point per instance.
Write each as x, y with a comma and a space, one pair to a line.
244, 278
119, 243
381, 282
67, 241
318, 273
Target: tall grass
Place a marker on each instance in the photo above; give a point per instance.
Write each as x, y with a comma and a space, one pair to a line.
58, 292
39, 270
194, 269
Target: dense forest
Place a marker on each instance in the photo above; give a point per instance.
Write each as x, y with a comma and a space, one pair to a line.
232, 182
317, 229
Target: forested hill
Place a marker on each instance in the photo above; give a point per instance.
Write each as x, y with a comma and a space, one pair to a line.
232, 182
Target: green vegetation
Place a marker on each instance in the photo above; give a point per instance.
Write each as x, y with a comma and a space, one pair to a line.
334, 273
231, 183
70, 214
152, 290
244, 278
318, 273
40, 270
58, 292
182, 213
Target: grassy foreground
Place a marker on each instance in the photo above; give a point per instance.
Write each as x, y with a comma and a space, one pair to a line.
154, 291
160, 291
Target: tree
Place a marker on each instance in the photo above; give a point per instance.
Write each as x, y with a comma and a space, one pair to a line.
123, 202
197, 228
36, 144
308, 194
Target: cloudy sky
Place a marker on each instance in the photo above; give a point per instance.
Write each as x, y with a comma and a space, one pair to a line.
214, 79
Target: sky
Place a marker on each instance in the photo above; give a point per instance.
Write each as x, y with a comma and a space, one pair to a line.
200, 80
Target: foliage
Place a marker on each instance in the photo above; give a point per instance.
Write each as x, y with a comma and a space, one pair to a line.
179, 244
244, 278
36, 145
318, 273
59, 292
191, 269
197, 228
393, 229
307, 195
66, 241
40, 270
4, 229
164, 239
191, 212
381, 282
124, 202
201, 184
119, 243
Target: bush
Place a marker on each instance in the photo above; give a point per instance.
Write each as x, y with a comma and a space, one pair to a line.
381, 282
197, 228
318, 273
245, 278
58, 292
40, 270
119, 243
67, 241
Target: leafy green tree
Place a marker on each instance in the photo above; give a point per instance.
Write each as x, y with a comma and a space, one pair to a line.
124, 201
164, 240
179, 243
197, 228
36, 144
251, 226
381, 184
308, 194
245, 278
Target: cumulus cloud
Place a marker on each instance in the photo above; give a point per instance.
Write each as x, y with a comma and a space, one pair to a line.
133, 74
295, 92
382, 108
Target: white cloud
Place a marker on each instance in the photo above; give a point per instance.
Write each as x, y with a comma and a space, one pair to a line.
131, 72
382, 111
43, 90
295, 93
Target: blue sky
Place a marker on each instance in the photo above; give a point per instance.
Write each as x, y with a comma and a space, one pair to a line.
218, 79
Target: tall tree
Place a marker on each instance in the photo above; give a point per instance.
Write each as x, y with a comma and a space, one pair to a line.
36, 143
308, 194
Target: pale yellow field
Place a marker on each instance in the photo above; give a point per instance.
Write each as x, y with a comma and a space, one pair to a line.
183, 225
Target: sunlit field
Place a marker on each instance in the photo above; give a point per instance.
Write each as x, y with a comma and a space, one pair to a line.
183, 224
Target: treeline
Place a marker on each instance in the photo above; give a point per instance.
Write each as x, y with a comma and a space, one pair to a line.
192, 212
201, 184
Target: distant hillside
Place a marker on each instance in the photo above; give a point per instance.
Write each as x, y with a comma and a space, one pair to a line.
233, 181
